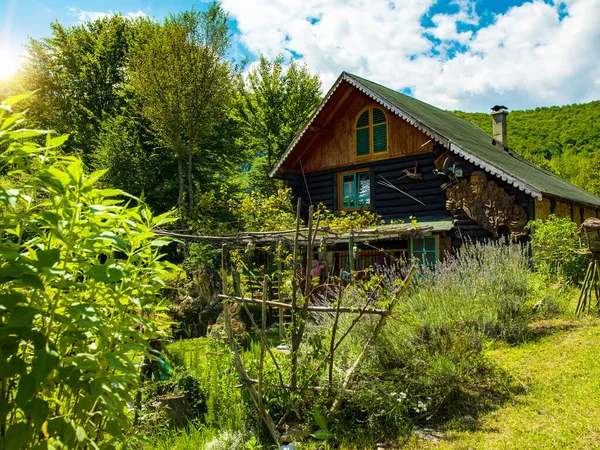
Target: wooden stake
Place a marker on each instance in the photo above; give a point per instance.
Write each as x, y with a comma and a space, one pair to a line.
295, 321
373, 337
264, 415
332, 342
280, 293
263, 342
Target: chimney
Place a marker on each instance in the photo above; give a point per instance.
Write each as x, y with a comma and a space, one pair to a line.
499, 114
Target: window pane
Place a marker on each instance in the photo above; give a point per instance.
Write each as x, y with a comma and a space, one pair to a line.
362, 142
430, 243
348, 186
363, 120
379, 138
417, 245
378, 116
364, 189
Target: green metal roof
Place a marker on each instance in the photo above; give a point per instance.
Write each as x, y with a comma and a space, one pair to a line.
471, 142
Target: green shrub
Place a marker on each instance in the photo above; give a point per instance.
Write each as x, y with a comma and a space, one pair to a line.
80, 279
434, 345
555, 249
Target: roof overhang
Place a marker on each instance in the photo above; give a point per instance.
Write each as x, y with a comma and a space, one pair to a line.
522, 185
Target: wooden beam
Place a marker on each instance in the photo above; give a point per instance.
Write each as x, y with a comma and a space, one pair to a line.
339, 104
322, 309
325, 122
321, 131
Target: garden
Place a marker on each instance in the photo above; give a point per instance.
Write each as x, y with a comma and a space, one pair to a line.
115, 335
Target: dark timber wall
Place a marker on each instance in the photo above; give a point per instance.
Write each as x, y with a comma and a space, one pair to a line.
391, 204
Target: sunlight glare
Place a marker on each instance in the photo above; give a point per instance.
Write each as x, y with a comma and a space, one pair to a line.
8, 64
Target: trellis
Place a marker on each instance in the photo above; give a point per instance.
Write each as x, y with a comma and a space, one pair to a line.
299, 305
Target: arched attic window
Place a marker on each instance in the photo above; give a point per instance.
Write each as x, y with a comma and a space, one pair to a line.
371, 131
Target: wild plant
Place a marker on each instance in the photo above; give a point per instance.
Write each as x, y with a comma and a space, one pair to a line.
80, 281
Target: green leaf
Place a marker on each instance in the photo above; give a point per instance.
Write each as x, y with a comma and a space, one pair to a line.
47, 258
161, 242
45, 361
14, 99
110, 192
15, 366
56, 141
9, 197
37, 409
17, 436
9, 121
23, 316
96, 175
80, 434
106, 274
320, 420
25, 134
63, 429
55, 179
322, 434
9, 301
110, 237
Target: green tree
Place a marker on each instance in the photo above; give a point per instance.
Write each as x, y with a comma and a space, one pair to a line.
79, 73
185, 83
556, 249
126, 148
273, 106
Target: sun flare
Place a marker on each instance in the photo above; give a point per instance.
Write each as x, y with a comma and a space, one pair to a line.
8, 64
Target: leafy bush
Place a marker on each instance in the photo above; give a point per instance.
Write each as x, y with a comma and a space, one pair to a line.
80, 278
555, 244
433, 349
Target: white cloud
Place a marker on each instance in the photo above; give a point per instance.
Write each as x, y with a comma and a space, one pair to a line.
534, 54
85, 16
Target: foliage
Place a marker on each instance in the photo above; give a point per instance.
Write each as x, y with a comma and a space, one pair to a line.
179, 70
258, 212
347, 220
126, 149
79, 74
273, 105
80, 276
180, 382
211, 362
433, 351
562, 139
555, 243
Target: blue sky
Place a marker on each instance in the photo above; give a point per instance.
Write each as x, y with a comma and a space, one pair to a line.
456, 54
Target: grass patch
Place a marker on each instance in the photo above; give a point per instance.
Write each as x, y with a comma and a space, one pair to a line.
558, 405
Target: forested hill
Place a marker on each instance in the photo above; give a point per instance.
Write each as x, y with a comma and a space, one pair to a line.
562, 139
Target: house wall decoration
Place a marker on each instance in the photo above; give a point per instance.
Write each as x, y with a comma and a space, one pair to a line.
488, 205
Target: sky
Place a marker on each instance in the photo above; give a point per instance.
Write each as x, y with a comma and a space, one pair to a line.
455, 54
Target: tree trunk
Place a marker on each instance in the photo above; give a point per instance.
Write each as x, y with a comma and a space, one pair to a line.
181, 180
190, 183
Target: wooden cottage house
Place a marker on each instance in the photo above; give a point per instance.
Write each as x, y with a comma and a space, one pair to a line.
368, 146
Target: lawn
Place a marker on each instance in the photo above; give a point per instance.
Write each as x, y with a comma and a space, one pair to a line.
558, 406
